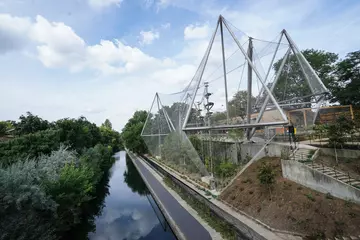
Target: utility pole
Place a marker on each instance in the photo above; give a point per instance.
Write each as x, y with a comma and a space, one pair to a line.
224, 67
249, 87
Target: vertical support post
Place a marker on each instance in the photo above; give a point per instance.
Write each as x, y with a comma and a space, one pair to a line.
201, 70
224, 68
304, 115
157, 99
272, 98
249, 87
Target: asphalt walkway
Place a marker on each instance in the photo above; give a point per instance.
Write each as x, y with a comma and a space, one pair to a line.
189, 227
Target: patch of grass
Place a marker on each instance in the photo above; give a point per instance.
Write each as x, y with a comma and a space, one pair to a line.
352, 214
339, 228
317, 235
248, 180
310, 197
348, 204
329, 196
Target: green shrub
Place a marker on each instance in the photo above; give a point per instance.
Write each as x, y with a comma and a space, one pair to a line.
29, 146
43, 197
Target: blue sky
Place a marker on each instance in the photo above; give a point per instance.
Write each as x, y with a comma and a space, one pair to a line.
107, 58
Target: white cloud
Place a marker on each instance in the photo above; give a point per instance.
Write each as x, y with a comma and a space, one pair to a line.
165, 26
148, 37
99, 4
196, 31
12, 31
59, 45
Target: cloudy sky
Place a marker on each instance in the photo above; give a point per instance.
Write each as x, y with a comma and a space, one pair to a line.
107, 58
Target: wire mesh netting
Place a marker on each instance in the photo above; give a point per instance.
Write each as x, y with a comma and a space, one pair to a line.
201, 131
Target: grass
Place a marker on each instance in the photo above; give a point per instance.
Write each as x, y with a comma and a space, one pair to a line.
329, 196
310, 197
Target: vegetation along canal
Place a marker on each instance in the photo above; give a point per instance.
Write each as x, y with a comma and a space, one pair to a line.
128, 210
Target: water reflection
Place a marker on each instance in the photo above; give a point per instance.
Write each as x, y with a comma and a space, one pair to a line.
127, 213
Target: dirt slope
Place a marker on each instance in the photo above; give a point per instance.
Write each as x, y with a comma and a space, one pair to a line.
291, 206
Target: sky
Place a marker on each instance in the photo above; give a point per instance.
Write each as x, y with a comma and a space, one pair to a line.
107, 58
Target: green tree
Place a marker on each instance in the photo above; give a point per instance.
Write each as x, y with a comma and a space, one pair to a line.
338, 131
266, 176
292, 83
30, 123
347, 87
238, 104
78, 133
110, 137
3, 128
131, 134
107, 124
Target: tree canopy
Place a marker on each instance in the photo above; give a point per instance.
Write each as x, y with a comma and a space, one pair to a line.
131, 134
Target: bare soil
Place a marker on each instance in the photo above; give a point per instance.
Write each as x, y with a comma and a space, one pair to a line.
291, 206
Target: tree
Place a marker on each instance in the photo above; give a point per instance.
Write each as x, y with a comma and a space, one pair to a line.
31, 124
347, 87
340, 130
107, 124
131, 134
238, 104
266, 176
292, 82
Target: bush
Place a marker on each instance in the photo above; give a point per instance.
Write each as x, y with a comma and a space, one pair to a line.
29, 146
43, 197
266, 175
227, 169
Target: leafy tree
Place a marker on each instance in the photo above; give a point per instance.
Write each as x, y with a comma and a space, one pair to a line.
110, 137
131, 134
107, 124
340, 130
31, 124
238, 104
347, 87
266, 175
292, 83
78, 133
3, 128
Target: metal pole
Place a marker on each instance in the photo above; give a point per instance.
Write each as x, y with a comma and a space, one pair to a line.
204, 60
157, 97
270, 67
256, 72
168, 119
296, 53
224, 68
249, 87
263, 107
147, 118
293, 45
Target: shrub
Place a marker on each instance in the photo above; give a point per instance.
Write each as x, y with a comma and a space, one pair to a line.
43, 197
29, 146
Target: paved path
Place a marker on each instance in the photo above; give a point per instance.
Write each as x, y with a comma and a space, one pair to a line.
186, 224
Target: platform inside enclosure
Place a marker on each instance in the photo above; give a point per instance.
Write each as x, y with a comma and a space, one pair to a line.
184, 225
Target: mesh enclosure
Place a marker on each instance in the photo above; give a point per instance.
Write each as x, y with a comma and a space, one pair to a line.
203, 129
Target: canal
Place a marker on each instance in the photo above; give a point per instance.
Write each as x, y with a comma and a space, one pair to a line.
124, 209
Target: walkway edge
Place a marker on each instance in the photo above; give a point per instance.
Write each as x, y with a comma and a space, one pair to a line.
168, 217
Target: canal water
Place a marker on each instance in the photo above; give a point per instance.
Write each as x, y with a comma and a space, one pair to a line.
128, 211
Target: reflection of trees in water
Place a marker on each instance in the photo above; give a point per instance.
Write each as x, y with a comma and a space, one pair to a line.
133, 179
92, 209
